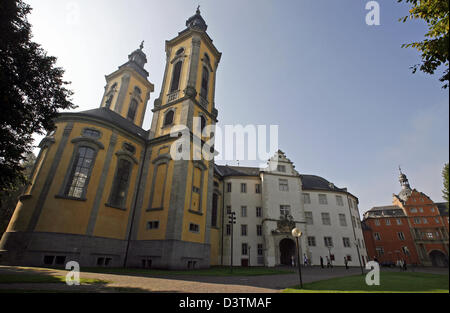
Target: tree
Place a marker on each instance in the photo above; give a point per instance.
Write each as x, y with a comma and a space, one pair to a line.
32, 90
434, 48
445, 191
8, 198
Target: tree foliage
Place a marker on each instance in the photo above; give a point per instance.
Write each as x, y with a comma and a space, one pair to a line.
32, 90
445, 191
434, 48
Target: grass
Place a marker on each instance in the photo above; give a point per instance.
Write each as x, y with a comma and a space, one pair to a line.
42, 279
213, 271
390, 282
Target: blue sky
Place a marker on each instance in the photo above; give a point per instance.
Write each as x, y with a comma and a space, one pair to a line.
347, 105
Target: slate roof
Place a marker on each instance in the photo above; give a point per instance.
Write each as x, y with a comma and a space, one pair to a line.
113, 118
225, 170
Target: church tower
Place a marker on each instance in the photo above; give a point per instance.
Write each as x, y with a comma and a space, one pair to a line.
127, 90
172, 228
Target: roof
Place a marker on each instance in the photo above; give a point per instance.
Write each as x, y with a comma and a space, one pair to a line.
112, 117
313, 182
225, 170
385, 211
443, 208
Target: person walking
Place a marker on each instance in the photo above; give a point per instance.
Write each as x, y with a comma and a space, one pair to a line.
328, 262
321, 262
346, 263
305, 259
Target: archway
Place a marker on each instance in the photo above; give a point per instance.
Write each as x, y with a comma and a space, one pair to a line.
438, 258
287, 250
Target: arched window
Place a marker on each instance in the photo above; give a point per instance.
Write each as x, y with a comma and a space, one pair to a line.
207, 60
132, 110
176, 77
120, 185
168, 119
179, 51
204, 87
80, 172
202, 122
137, 90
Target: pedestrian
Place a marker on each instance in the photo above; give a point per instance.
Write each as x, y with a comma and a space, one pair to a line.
346, 263
321, 262
292, 260
328, 262
305, 259
404, 265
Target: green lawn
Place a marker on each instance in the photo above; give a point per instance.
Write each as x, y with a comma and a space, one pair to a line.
213, 271
392, 282
42, 279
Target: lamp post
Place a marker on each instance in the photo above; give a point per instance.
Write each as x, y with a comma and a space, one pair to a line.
232, 221
297, 234
359, 258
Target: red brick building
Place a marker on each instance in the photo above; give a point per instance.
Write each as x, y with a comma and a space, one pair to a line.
414, 229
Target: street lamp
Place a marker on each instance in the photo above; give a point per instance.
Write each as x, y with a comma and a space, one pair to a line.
297, 234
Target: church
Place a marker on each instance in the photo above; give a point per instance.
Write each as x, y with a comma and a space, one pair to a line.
106, 192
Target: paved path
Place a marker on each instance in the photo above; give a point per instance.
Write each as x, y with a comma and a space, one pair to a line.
183, 283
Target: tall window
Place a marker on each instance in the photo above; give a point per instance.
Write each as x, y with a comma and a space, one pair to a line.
243, 187
342, 220
168, 118
285, 210
204, 87
401, 236
258, 212
346, 242
312, 241
244, 249
339, 201
283, 185
309, 218
306, 198
202, 123
326, 219
243, 230
132, 110
328, 241
323, 199
120, 185
176, 77
214, 210
228, 187
80, 172
258, 230
243, 211
258, 188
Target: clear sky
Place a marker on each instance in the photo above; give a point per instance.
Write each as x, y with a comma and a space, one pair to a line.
342, 92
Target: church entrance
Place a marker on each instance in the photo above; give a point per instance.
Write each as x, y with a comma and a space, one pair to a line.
438, 258
287, 251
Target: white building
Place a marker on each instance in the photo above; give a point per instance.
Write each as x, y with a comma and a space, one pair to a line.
269, 202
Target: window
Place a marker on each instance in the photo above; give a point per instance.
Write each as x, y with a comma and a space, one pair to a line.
258, 188
413, 210
204, 86
283, 185
132, 110
179, 51
323, 199
339, 201
417, 220
60, 260
425, 221
342, 220
194, 228
326, 219
152, 225
202, 123
399, 222
306, 198
176, 77
432, 210
346, 242
168, 118
312, 241
388, 222
244, 249
48, 259
228, 230
281, 168
109, 101
328, 241
377, 222
421, 210
215, 205
258, 230
285, 210
309, 218
243, 230
380, 251
401, 236
80, 172
120, 185
350, 203
377, 236
228, 187
258, 212
137, 90
243, 188
243, 211
228, 209
88, 132
260, 249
